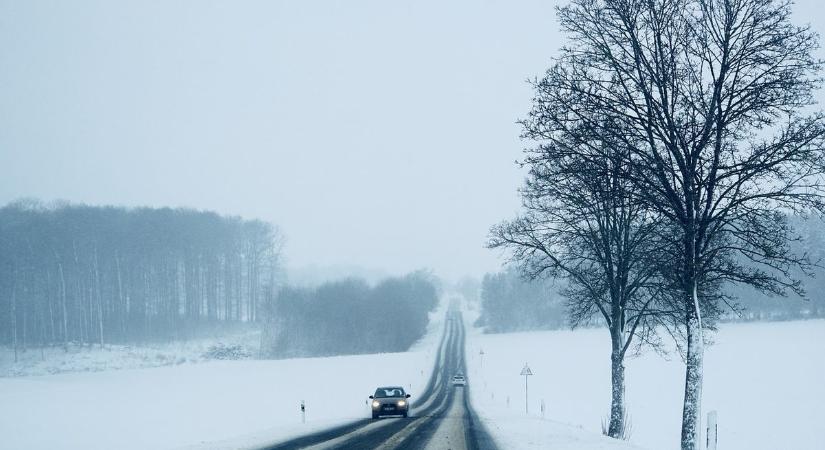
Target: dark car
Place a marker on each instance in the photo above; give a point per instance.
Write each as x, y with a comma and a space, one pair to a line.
390, 401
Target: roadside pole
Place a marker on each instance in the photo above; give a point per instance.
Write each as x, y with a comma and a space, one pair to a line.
526, 372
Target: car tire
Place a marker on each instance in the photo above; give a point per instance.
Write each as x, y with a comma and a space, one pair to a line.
406, 413
374, 415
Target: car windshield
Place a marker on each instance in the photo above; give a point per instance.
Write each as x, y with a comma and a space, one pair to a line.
389, 392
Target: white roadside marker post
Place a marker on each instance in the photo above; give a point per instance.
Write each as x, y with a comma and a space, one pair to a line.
481, 356
303, 412
711, 432
526, 372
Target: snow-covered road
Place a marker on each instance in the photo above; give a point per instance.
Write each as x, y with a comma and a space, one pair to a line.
441, 419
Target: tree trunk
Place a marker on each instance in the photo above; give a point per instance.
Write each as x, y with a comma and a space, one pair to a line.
14, 314
99, 296
121, 304
617, 409
691, 412
26, 296
63, 308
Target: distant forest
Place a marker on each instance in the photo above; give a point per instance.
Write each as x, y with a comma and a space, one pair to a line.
85, 274
349, 317
749, 304
511, 303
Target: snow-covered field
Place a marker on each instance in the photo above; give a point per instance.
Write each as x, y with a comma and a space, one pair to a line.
211, 405
94, 358
766, 380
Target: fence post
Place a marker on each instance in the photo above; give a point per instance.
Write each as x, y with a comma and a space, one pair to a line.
711, 431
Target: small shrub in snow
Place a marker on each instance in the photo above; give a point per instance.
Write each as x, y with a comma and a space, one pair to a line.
625, 432
224, 351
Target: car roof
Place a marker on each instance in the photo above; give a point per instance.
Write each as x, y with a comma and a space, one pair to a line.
390, 387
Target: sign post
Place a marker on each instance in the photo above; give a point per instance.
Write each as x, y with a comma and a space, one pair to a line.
526, 372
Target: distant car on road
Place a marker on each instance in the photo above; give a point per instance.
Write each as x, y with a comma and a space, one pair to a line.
459, 380
390, 401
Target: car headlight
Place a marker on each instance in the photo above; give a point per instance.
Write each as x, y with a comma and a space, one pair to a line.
375, 404
401, 403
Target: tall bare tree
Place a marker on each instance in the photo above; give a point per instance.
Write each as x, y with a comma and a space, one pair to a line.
581, 224
713, 100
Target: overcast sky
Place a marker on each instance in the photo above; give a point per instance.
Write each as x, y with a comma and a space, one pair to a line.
377, 134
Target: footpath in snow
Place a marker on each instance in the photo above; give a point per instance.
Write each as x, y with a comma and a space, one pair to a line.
765, 380
214, 405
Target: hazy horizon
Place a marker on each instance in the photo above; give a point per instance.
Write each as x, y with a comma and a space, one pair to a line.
374, 134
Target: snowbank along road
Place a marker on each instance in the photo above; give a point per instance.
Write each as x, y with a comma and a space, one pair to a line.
441, 417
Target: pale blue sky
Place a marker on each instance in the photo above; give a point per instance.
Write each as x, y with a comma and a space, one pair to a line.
374, 133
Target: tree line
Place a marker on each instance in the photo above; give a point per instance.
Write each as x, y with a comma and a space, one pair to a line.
674, 141
86, 274
349, 317
511, 302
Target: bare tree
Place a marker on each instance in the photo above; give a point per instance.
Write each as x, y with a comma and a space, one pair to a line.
711, 98
581, 224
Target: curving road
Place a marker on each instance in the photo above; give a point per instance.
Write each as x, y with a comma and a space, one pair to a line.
441, 418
